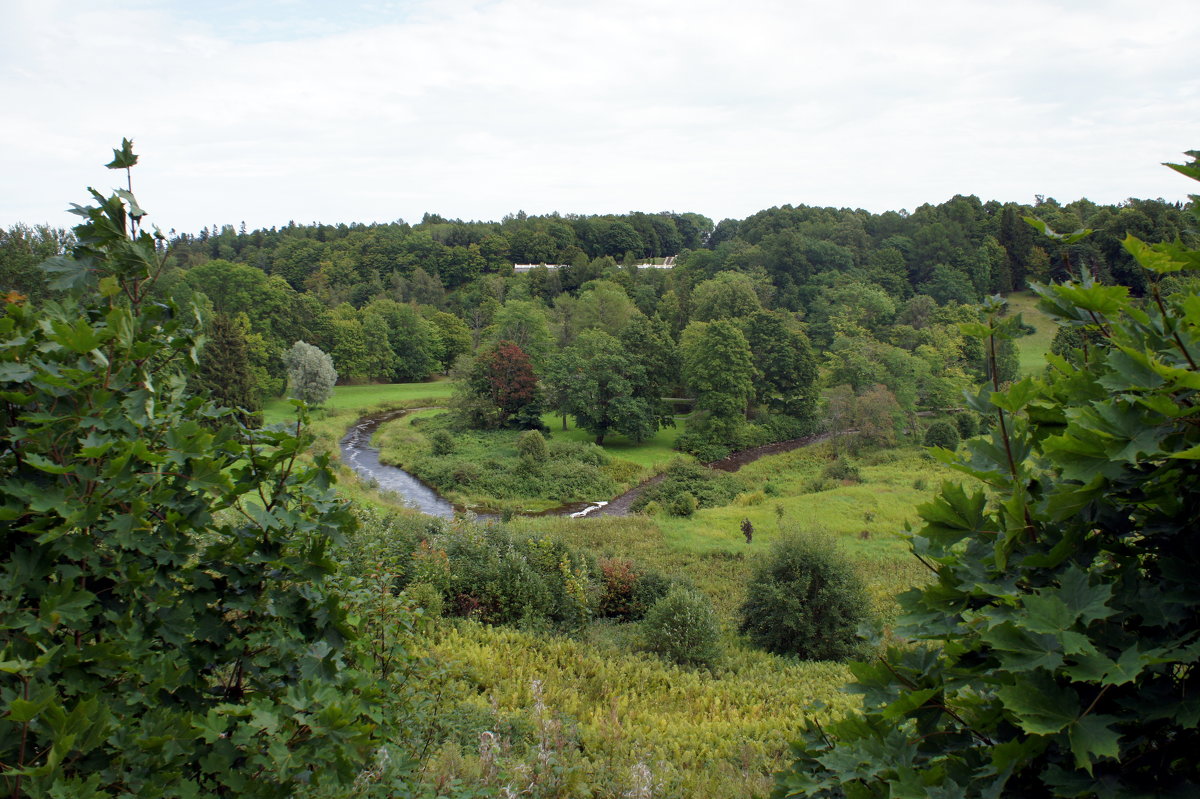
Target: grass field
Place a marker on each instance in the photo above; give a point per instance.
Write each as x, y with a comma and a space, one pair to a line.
366, 397
652, 454
1032, 349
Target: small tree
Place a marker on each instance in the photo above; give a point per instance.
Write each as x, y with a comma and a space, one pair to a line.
501, 389
805, 600
224, 370
682, 627
310, 373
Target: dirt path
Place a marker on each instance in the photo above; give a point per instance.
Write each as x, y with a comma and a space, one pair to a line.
620, 506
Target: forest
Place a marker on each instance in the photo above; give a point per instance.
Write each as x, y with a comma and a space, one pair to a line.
959, 566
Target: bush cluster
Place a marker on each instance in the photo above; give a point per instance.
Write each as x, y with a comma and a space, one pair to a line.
564, 471
628, 591
841, 470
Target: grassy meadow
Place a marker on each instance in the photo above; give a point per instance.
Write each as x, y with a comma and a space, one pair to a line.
1032, 349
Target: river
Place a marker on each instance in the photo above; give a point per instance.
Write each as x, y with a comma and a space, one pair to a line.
363, 458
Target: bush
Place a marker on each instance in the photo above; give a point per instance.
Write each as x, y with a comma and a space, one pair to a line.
531, 446
441, 443
427, 597
942, 434
804, 599
683, 504
682, 627
708, 487
498, 578
628, 590
966, 424
840, 470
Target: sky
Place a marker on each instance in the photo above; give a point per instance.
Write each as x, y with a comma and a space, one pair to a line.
277, 110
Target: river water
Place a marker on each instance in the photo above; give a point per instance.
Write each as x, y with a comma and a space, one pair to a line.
359, 455
363, 458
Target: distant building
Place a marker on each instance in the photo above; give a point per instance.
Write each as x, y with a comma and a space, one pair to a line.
668, 263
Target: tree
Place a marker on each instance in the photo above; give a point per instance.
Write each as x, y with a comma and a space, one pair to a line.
311, 375
412, 339
603, 388
454, 337
786, 371
502, 378
719, 368
682, 627
166, 615
729, 295
1055, 653
524, 323
223, 373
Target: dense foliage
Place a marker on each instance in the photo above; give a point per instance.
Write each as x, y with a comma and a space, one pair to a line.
1056, 652
167, 624
804, 599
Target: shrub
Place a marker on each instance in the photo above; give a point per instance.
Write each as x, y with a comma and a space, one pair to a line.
628, 591
441, 443
498, 578
531, 446
842, 469
805, 600
651, 586
682, 627
708, 487
618, 576
966, 424
427, 597
683, 504
942, 434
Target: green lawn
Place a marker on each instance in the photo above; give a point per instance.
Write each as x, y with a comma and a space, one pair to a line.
1032, 349
651, 454
365, 398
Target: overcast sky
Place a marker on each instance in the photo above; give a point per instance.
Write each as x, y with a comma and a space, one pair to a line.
301, 110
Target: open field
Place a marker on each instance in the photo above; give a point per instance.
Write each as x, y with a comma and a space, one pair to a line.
367, 397
652, 454
1032, 349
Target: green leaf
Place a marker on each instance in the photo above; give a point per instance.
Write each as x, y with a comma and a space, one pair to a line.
135, 210
1065, 238
1093, 739
1039, 705
1150, 257
124, 157
1087, 601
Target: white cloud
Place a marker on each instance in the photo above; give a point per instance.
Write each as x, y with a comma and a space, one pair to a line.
479, 109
